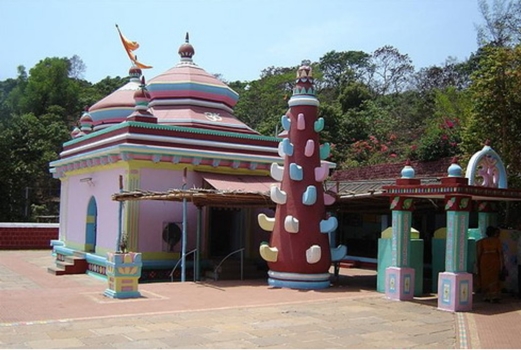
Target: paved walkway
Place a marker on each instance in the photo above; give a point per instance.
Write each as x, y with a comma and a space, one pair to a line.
39, 310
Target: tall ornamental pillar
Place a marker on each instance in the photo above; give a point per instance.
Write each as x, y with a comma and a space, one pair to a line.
455, 284
299, 254
399, 277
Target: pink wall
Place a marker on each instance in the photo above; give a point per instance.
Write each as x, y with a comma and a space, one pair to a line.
154, 214
102, 186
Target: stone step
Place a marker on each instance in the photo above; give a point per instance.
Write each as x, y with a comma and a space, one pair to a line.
56, 271
73, 259
70, 265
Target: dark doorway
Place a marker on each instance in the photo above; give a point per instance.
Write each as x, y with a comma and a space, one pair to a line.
225, 231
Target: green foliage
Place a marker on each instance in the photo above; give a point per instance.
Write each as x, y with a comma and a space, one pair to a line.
497, 106
264, 101
363, 131
441, 139
443, 133
49, 85
353, 95
12, 94
28, 144
338, 69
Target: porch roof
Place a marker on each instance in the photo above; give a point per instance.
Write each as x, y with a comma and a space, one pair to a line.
241, 183
254, 191
201, 197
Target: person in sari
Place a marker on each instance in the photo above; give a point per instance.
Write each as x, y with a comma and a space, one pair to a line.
490, 264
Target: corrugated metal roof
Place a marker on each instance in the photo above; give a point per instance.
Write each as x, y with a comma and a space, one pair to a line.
347, 189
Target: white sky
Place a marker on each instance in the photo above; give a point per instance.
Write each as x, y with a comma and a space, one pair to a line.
235, 38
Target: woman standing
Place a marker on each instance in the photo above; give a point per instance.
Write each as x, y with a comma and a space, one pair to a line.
490, 264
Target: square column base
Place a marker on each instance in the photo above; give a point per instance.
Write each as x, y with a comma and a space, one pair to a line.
399, 283
121, 295
455, 291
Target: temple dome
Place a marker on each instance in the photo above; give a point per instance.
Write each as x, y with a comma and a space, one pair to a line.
190, 82
117, 106
187, 95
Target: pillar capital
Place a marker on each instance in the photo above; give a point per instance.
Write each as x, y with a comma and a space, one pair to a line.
402, 203
458, 203
486, 207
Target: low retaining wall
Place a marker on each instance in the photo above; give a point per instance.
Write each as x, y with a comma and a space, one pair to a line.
20, 235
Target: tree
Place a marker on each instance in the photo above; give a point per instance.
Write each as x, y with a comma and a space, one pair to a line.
76, 67
27, 145
48, 85
443, 133
390, 70
353, 95
262, 102
451, 74
502, 23
12, 94
36, 111
339, 68
497, 107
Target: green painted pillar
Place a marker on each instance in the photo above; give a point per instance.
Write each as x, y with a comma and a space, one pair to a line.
401, 238
400, 277
455, 284
487, 216
457, 225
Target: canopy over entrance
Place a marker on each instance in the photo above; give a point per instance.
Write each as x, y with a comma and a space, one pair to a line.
250, 184
225, 191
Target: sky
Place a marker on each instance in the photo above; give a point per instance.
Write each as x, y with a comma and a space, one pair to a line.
234, 38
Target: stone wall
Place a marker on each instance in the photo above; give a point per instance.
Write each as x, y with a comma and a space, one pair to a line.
14, 235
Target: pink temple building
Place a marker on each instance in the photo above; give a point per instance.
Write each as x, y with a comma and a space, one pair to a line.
176, 131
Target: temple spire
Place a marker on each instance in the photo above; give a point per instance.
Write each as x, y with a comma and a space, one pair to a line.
186, 51
142, 98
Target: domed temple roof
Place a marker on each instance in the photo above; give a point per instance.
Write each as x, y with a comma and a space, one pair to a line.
116, 107
183, 116
185, 95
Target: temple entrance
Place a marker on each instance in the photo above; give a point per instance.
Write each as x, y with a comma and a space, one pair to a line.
225, 231
91, 226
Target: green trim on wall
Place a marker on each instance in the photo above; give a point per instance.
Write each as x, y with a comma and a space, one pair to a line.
171, 128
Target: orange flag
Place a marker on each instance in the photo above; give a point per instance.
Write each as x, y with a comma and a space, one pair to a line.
131, 46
